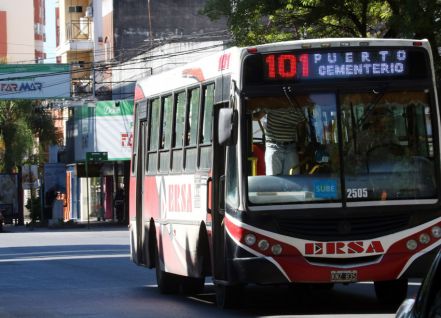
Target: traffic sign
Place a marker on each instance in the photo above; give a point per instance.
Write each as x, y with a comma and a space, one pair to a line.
96, 156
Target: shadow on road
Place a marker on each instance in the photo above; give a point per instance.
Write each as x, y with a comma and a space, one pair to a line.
304, 300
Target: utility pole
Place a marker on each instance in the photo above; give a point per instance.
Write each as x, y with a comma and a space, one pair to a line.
150, 23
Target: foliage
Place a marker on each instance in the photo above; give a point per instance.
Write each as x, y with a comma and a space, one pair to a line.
34, 206
261, 21
23, 128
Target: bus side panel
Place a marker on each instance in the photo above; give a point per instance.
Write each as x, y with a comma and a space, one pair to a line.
132, 199
132, 218
180, 209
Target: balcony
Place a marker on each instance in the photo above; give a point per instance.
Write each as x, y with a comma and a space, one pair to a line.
78, 36
82, 87
79, 29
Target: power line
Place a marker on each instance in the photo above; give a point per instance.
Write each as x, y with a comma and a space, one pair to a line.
107, 65
141, 48
101, 67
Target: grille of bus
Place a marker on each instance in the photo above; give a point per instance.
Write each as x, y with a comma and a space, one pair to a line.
323, 261
348, 228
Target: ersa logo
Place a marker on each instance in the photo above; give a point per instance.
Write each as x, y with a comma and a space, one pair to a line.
344, 248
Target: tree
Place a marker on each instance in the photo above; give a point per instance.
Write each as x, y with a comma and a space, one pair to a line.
23, 128
261, 21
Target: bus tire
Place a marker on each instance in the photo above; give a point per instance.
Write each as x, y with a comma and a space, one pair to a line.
150, 246
167, 283
391, 292
228, 296
203, 251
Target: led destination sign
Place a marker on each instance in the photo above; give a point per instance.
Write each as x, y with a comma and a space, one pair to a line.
383, 63
322, 65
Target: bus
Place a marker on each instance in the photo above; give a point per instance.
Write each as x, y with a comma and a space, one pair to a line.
360, 202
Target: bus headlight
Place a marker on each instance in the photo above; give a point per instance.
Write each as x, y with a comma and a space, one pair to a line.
263, 245
436, 231
411, 245
250, 239
424, 238
276, 249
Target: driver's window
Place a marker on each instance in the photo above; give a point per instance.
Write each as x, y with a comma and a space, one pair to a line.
387, 145
371, 128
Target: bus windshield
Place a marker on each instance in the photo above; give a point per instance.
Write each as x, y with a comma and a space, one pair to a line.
335, 147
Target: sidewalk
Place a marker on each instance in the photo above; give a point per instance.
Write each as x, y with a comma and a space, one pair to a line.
97, 225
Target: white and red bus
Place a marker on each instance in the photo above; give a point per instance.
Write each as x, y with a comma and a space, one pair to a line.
363, 204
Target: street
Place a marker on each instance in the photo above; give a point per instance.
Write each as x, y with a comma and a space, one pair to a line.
87, 273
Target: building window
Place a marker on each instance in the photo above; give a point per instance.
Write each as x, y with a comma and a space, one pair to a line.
75, 9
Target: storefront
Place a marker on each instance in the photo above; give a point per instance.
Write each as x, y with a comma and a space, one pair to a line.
94, 193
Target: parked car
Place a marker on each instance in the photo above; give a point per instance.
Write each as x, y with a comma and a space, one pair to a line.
427, 303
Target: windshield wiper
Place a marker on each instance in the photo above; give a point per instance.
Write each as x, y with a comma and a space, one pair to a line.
379, 94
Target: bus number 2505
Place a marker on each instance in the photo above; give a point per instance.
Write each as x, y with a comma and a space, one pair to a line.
357, 193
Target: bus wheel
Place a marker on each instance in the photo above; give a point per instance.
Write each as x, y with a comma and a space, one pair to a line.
228, 296
391, 292
192, 285
167, 283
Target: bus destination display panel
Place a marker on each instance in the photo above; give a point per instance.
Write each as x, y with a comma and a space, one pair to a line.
297, 66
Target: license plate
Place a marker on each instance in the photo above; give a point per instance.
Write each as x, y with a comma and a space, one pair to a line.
344, 276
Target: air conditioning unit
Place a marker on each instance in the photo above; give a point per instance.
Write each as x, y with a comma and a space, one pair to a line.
89, 12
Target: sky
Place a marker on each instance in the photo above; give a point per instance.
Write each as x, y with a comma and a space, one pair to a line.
49, 45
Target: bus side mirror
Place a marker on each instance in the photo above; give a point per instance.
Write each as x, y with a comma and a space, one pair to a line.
227, 126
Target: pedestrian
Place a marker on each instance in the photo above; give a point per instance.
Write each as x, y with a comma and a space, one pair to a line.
57, 207
118, 203
100, 213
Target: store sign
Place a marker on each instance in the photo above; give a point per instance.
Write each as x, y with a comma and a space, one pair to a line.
34, 81
111, 131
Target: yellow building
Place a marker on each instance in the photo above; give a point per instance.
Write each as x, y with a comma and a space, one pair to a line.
75, 43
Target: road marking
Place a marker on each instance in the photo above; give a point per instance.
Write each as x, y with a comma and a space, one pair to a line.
56, 258
60, 252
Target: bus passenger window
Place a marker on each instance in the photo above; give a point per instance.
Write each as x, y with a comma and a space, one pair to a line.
166, 126
193, 114
206, 127
178, 140
152, 156
207, 115
191, 155
178, 133
166, 122
154, 125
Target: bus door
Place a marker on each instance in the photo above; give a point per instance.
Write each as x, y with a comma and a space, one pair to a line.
218, 201
139, 191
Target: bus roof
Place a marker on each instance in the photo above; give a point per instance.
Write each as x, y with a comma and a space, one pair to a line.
202, 70
339, 42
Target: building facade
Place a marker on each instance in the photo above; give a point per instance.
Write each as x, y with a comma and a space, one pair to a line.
22, 31
75, 42
110, 44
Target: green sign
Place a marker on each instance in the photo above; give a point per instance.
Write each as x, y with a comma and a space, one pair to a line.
96, 156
